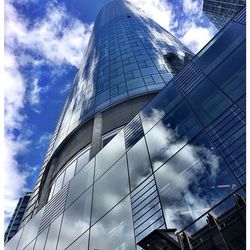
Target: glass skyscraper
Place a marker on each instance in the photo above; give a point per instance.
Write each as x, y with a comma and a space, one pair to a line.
171, 172
220, 12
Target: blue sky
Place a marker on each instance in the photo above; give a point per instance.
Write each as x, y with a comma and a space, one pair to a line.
44, 45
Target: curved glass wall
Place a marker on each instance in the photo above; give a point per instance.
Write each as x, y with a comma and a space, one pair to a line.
124, 59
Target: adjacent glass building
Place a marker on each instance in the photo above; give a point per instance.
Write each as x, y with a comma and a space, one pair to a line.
220, 12
17, 217
170, 175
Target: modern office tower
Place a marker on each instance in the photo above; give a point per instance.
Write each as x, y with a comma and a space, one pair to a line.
174, 176
17, 217
220, 12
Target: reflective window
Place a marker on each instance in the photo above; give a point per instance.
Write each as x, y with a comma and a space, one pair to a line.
115, 230
82, 161
171, 134
30, 246
81, 243
193, 181
81, 182
31, 229
110, 189
58, 184
230, 75
52, 237
75, 220
109, 154
159, 106
69, 172
207, 101
221, 46
41, 238
138, 163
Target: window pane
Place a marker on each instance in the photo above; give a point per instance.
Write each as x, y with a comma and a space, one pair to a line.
160, 106
170, 134
31, 229
115, 230
82, 161
52, 238
40, 241
109, 154
221, 46
58, 184
81, 243
81, 182
69, 172
207, 101
12, 244
230, 75
193, 181
139, 164
75, 220
110, 189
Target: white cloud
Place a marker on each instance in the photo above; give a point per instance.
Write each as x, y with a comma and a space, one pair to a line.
196, 37
191, 7
159, 10
56, 43
44, 140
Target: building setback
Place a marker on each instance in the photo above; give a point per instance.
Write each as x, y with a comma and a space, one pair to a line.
220, 12
172, 172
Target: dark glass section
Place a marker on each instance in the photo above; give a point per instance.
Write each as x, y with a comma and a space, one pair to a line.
158, 107
52, 237
109, 154
110, 189
115, 230
192, 182
222, 45
230, 75
81, 243
76, 220
171, 134
81, 182
138, 163
207, 101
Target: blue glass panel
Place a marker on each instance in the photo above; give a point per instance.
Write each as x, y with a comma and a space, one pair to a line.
230, 75
221, 46
171, 134
207, 101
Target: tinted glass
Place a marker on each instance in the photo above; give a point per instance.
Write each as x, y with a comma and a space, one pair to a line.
230, 75
81, 182
115, 230
170, 134
207, 101
139, 163
193, 181
159, 106
30, 230
75, 220
82, 161
12, 244
52, 237
109, 154
110, 189
223, 44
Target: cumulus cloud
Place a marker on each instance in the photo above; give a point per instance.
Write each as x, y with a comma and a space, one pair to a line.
59, 39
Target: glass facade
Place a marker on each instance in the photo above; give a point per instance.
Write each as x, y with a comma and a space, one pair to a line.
181, 159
